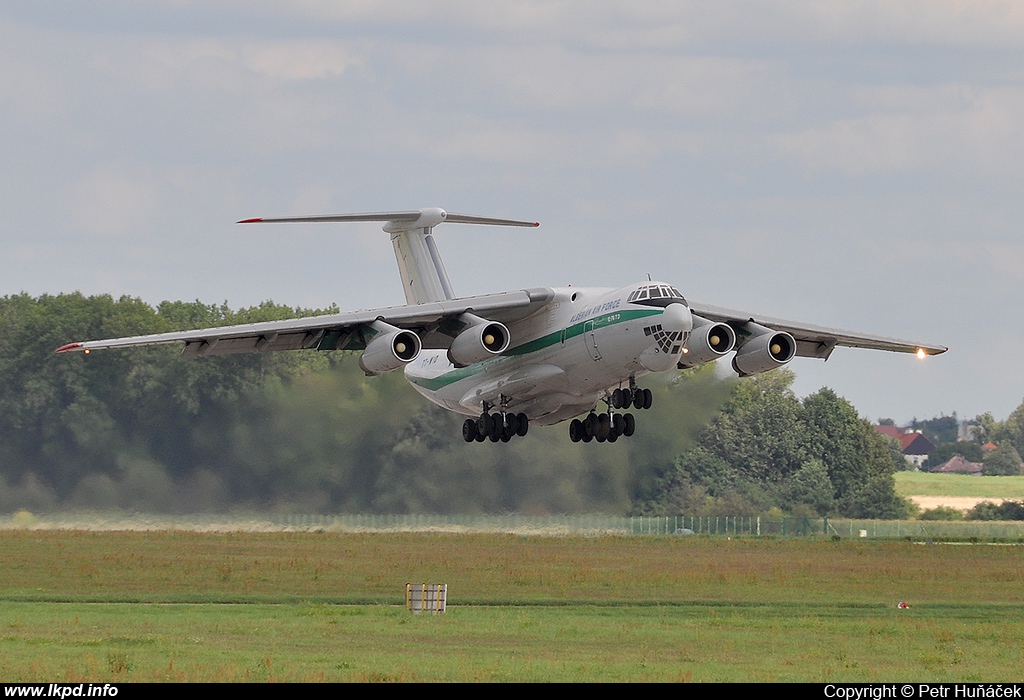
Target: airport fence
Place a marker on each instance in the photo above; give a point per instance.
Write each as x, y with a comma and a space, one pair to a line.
588, 525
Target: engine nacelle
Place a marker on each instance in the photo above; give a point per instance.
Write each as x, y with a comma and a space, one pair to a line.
479, 342
389, 350
708, 342
764, 350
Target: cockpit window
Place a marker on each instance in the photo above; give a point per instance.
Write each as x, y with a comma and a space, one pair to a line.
662, 294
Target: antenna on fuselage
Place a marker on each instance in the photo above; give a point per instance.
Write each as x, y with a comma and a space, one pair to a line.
419, 262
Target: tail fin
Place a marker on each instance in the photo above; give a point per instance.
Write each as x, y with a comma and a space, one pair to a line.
419, 262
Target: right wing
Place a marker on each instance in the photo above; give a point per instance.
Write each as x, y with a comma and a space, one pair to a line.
435, 323
813, 340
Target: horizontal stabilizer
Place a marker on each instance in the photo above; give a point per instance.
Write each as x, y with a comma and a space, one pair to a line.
397, 221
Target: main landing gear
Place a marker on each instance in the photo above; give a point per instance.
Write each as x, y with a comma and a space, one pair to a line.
501, 426
608, 426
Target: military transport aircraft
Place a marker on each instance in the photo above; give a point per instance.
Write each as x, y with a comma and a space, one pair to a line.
541, 355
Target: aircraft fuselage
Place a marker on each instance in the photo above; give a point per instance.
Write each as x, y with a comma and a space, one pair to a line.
564, 359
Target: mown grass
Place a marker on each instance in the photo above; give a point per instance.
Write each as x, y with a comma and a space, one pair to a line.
109, 606
928, 484
494, 568
311, 642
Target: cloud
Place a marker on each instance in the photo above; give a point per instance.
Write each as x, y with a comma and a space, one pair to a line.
962, 131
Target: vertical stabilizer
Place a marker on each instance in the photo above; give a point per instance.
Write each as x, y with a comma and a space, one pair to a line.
424, 278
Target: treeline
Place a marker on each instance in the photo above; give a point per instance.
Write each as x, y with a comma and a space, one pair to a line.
769, 450
144, 429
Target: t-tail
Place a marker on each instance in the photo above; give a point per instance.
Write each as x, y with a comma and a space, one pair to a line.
419, 262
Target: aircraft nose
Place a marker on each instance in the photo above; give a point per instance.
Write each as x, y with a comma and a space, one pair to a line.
677, 317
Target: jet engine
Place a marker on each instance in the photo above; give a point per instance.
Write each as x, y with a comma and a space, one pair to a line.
390, 349
765, 349
482, 340
708, 341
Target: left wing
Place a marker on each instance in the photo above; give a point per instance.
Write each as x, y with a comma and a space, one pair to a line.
815, 341
434, 322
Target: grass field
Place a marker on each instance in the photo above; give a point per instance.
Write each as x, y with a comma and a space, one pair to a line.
133, 606
928, 484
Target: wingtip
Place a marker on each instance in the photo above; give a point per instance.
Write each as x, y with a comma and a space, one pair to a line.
67, 348
250, 221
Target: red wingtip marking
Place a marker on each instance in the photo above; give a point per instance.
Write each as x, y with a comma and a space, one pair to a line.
536, 224
67, 348
250, 221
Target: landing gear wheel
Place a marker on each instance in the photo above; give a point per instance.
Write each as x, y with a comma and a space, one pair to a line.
604, 426
638, 398
648, 398
627, 399
576, 430
469, 430
523, 424
590, 423
497, 427
618, 425
617, 398
628, 425
511, 423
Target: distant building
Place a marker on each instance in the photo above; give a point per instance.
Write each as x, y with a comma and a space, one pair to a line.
959, 465
913, 443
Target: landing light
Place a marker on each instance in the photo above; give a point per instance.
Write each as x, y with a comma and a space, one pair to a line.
920, 353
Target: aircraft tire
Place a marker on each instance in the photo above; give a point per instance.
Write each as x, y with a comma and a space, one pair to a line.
617, 398
480, 437
575, 430
497, 427
612, 436
523, 424
618, 424
469, 430
511, 423
628, 425
648, 398
587, 437
604, 426
627, 398
590, 424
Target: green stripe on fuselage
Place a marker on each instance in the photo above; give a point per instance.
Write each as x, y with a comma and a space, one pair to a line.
545, 341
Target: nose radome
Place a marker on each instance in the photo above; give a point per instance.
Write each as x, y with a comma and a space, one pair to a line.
677, 317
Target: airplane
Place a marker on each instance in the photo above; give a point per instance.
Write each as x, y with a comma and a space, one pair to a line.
530, 356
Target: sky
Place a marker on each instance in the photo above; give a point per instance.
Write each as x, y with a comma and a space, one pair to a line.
850, 164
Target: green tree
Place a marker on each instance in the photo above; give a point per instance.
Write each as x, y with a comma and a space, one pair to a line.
767, 449
1002, 461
